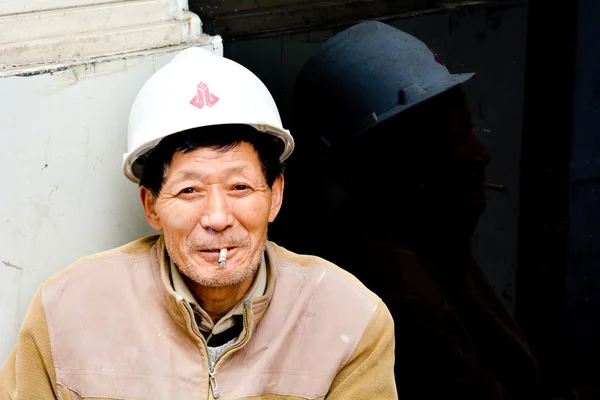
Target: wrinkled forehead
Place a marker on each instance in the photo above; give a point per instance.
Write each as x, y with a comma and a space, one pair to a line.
231, 159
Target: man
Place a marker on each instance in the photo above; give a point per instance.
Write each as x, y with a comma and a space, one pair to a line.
399, 140
209, 309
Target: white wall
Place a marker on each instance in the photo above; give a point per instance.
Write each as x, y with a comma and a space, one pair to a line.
63, 195
38, 32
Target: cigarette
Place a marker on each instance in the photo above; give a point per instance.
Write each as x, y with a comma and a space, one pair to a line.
494, 186
223, 257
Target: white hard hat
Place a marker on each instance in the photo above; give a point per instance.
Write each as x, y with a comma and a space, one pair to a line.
198, 88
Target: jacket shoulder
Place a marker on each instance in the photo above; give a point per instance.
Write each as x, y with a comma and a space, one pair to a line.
311, 264
139, 248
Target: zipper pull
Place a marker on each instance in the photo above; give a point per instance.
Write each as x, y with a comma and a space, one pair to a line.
213, 381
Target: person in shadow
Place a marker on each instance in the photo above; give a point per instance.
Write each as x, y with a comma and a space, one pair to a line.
388, 125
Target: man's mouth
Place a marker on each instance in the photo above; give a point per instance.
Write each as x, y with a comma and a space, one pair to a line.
215, 254
216, 249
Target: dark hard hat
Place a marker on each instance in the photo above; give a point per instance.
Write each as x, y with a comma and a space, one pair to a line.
363, 76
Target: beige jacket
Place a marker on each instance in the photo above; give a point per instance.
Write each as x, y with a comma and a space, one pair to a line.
111, 327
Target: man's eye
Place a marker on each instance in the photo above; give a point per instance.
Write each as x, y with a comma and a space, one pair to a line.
240, 187
188, 190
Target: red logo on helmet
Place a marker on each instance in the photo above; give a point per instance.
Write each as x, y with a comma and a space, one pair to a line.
437, 58
203, 97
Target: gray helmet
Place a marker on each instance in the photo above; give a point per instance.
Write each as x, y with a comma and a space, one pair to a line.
363, 76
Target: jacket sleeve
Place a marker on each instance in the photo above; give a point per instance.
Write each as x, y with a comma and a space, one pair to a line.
28, 373
369, 373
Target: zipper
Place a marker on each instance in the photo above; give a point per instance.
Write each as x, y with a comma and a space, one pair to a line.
211, 372
212, 378
197, 332
213, 381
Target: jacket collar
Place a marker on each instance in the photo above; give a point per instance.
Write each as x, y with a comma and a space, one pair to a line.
161, 269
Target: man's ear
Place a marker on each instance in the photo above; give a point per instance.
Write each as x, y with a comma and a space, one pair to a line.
276, 197
148, 201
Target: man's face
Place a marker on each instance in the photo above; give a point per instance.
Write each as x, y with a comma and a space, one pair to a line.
213, 199
439, 147
468, 158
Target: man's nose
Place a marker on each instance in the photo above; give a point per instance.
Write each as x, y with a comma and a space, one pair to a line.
482, 155
217, 215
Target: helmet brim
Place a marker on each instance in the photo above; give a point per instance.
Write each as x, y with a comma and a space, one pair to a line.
436, 89
133, 164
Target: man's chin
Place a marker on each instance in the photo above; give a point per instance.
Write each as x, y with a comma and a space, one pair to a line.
480, 208
477, 203
217, 276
